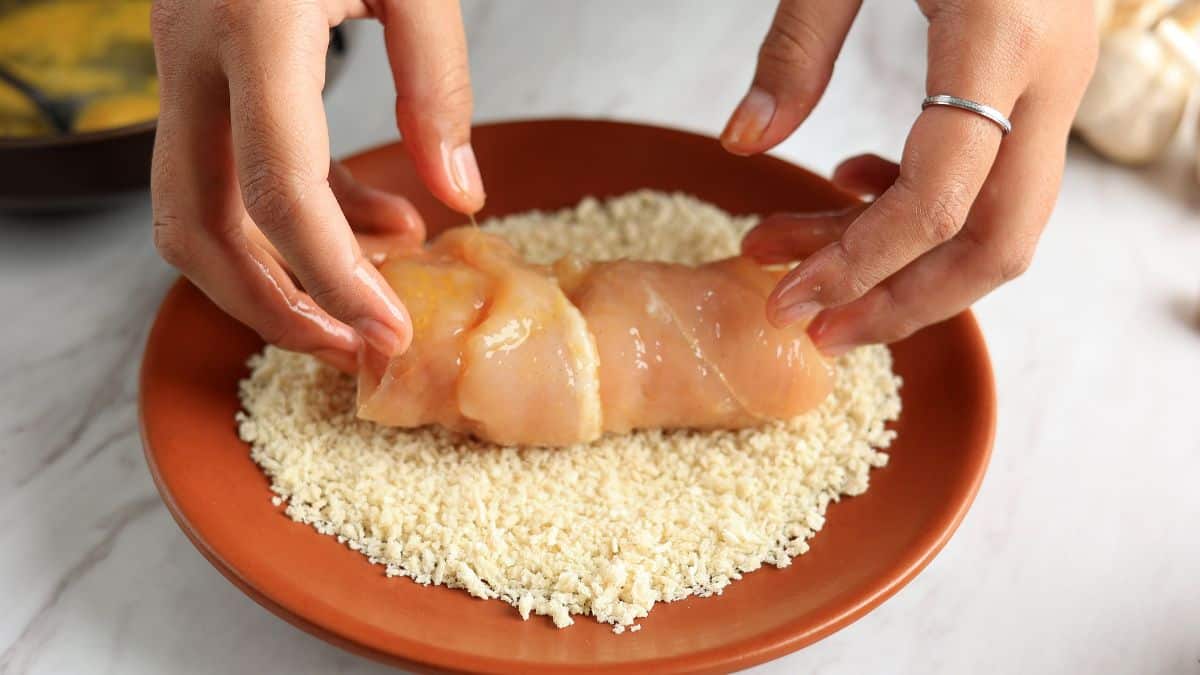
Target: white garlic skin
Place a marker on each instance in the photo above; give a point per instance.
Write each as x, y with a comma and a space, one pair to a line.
1136, 99
1113, 15
1103, 12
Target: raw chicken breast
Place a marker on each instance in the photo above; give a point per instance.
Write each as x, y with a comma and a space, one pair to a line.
497, 350
445, 298
691, 347
520, 354
529, 370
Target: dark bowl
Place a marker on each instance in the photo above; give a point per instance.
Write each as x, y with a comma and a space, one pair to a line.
75, 171
95, 169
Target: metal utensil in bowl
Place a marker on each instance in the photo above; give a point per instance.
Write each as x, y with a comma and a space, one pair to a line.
59, 112
74, 171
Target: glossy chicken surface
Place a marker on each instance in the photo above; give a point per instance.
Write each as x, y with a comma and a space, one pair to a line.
520, 354
690, 346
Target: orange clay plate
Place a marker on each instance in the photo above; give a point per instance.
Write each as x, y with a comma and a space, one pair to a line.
871, 546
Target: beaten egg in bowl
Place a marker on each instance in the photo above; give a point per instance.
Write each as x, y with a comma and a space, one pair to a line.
97, 53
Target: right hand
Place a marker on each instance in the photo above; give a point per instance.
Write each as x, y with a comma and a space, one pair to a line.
961, 213
242, 169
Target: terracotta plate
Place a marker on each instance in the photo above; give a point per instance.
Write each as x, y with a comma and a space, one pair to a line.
871, 546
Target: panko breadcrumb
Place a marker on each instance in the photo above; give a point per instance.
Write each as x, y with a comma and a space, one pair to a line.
605, 529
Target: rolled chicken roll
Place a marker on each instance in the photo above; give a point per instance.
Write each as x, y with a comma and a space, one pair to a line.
520, 354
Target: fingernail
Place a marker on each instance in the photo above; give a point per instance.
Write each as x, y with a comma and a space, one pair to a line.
834, 351
366, 274
787, 315
797, 287
465, 171
830, 336
749, 120
378, 336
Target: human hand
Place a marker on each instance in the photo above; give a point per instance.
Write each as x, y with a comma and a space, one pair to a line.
962, 212
241, 163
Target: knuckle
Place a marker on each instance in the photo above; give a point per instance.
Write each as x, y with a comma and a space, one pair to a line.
853, 282
454, 87
856, 286
1025, 30
1018, 31
338, 287
898, 323
328, 297
171, 242
274, 331
230, 16
276, 320
883, 319
239, 26
941, 9
277, 323
1015, 262
272, 193
941, 217
793, 34
448, 94
164, 15
234, 16
793, 46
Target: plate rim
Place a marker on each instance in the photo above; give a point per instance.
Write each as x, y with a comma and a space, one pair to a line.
786, 638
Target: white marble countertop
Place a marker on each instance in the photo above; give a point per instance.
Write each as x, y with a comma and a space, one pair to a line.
1081, 553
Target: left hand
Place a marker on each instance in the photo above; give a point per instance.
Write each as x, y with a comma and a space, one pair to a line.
962, 212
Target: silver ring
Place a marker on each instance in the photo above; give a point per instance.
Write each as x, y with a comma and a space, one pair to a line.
971, 106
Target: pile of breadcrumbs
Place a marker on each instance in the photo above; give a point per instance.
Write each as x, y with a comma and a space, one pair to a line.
605, 529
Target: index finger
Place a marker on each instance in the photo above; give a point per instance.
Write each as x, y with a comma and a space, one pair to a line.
273, 56
946, 160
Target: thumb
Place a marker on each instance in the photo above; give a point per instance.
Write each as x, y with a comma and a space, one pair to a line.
794, 67
428, 54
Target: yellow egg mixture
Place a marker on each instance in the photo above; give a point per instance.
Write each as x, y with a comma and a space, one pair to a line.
95, 51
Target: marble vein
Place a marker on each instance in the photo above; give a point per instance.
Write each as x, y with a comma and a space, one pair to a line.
16, 656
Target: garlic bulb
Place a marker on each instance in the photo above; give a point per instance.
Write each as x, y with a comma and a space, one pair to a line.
1112, 15
1137, 97
1103, 10
1180, 33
